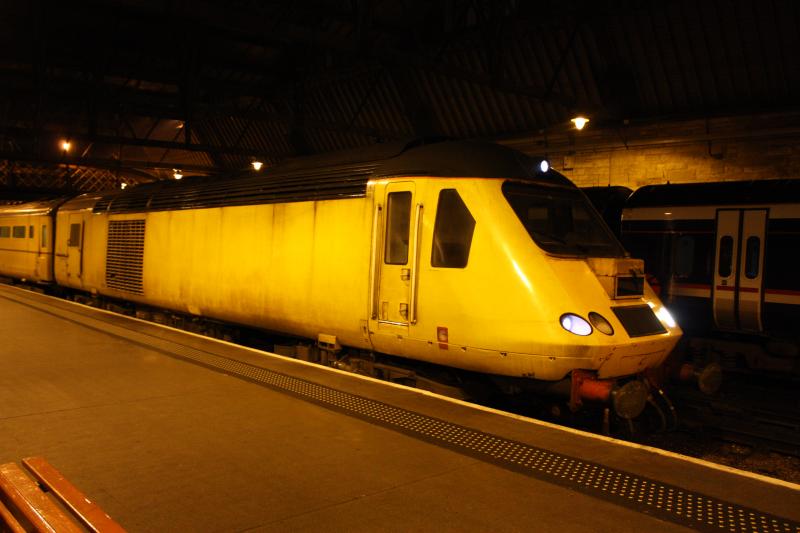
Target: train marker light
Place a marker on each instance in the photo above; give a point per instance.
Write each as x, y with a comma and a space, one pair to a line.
600, 323
575, 324
579, 122
544, 166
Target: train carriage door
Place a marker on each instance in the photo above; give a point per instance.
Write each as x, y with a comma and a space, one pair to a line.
396, 258
75, 246
738, 269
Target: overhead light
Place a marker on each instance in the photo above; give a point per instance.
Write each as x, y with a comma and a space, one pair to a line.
257, 165
579, 122
66, 145
544, 165
176, 173
123, 185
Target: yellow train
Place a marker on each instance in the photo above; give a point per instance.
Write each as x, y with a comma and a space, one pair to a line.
464, 254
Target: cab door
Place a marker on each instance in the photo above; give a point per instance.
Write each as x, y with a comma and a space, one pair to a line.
395, 263
738, 273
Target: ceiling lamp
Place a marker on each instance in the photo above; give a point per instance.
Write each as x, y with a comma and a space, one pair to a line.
123, 185
257, 165
176, 173
66, 145
579, 122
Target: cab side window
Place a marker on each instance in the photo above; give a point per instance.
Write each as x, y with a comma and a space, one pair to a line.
5, 231
452, 232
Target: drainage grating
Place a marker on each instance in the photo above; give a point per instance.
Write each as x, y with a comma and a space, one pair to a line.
651, 497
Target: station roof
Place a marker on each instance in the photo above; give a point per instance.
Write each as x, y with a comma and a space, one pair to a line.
140, 88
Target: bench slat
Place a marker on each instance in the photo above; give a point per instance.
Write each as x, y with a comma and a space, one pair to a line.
9, 521
37, 508
88, 512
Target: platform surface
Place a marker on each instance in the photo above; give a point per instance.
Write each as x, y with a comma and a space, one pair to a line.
169, 431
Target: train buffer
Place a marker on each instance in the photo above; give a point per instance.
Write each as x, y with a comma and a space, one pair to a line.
47, 501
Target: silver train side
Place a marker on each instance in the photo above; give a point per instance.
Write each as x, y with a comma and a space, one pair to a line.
722, 257
470, 256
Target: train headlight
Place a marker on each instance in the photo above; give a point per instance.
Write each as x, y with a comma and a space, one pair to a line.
575, 324
600, 323
544, 165
663, 315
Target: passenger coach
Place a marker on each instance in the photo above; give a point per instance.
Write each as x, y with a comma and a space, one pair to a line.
725, 256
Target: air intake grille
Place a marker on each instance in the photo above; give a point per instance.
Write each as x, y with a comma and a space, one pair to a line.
125, 255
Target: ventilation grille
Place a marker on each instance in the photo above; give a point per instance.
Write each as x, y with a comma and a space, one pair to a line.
125, 255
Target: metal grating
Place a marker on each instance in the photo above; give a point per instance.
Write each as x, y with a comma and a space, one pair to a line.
125, 255
667, 502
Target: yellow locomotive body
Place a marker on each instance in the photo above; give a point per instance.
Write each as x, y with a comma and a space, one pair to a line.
443, 265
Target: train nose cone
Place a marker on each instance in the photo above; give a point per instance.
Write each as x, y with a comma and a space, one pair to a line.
630, 399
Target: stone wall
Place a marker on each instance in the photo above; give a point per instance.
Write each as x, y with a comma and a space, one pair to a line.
750, 147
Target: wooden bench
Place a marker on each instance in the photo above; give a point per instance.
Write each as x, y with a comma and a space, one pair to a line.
26, 506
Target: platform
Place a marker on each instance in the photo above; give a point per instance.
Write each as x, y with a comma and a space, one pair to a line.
171, 431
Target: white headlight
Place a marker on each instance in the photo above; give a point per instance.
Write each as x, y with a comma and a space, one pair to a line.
665, 317
575, 324
544, 166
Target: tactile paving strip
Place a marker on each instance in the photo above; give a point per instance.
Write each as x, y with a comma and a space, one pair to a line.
667, 502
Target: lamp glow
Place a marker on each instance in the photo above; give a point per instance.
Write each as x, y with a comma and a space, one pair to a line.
176, 173
66, 145
544, 166
579, 122
575, 324
257, 165
123, 185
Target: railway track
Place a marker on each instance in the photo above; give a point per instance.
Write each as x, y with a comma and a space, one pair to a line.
757, 412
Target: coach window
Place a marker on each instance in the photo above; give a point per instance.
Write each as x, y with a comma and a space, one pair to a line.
751, 257
74, 235
5, 231
397, 227
30, 232
725, 256
44, 236
452, 231
19, 232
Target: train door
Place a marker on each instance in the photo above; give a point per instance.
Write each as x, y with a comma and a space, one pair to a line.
395, 258
75, 246
738, 273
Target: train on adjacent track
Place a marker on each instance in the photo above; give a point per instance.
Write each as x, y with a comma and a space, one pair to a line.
464, 255
722, 257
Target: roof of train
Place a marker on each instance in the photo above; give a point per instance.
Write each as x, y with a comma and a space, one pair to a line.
40, 207
333, 176
717, 193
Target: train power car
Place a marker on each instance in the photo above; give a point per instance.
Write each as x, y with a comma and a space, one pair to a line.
724, 257
467, 255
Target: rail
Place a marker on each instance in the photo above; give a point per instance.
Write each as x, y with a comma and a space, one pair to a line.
48, 502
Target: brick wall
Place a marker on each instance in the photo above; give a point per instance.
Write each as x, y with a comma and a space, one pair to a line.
731, 148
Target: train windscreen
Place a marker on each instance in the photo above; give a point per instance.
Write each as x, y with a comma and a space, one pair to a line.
561, 221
